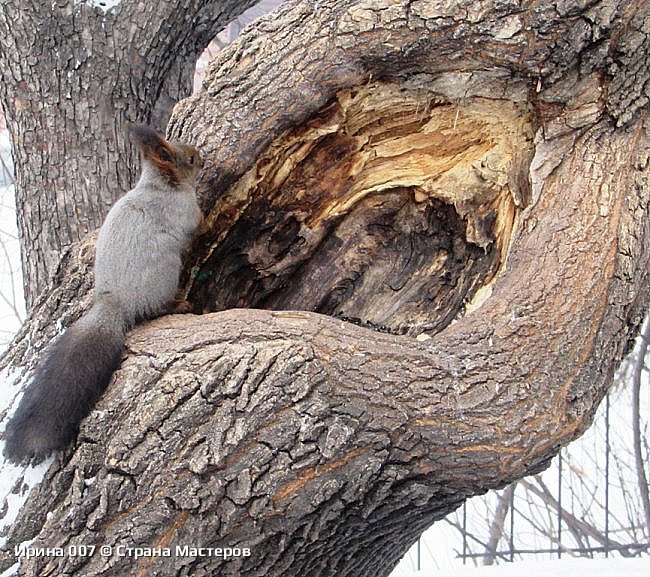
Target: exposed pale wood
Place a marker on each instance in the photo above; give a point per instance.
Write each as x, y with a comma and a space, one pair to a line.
390, 207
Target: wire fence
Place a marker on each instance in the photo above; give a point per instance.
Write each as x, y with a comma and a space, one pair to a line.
565, 525
591, 502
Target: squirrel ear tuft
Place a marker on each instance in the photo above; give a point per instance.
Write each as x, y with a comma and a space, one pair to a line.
157, 150
147, 138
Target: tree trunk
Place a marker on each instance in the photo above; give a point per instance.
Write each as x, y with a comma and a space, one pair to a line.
73, 75
466, 182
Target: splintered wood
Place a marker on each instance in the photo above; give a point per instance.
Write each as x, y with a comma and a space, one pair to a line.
391, 208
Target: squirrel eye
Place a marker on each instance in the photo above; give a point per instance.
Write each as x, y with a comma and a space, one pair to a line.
190, 160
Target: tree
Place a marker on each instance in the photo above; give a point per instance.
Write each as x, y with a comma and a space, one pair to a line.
73, 74
433, 219
592, 501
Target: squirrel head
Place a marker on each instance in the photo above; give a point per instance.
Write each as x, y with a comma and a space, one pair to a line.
176, 162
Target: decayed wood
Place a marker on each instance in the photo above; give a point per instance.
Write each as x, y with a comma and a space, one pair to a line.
322, 446
389, 207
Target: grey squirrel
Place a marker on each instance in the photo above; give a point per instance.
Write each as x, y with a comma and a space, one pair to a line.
137, 266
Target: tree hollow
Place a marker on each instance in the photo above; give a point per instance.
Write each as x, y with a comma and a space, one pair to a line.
390, 207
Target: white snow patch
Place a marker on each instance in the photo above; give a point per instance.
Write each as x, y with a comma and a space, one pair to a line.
103, 5
10, 384
16, 481
14, 568
567, 567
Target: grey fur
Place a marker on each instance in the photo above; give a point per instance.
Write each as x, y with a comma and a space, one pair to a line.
139, 247
137, 264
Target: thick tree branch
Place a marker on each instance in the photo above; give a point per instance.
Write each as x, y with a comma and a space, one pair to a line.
322, 446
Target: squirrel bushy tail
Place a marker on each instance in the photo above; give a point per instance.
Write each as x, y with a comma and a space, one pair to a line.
84, 358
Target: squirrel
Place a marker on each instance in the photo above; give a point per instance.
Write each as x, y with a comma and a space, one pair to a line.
137, 267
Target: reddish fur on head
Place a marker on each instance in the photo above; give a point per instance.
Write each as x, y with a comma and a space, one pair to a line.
176, 162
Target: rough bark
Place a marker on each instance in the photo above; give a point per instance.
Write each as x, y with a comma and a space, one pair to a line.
73, 75
519, 154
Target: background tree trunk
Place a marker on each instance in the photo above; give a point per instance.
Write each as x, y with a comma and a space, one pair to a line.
73, 75
489, 165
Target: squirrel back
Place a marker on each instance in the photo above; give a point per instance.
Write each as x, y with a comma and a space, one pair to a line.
137, 266
138, 254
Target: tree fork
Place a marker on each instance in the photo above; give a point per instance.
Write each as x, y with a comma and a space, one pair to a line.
73, 76
324, 446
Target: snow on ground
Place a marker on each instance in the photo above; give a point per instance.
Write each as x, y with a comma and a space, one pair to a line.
12, 304
104, 5
566, 567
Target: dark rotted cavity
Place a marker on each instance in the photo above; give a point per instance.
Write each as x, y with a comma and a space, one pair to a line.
389, 263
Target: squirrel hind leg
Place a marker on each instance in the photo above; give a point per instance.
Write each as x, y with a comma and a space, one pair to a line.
179, 306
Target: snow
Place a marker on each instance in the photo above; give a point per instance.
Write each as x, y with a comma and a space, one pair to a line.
638, 567
11, 570
16, 481
10, 381
103, 5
